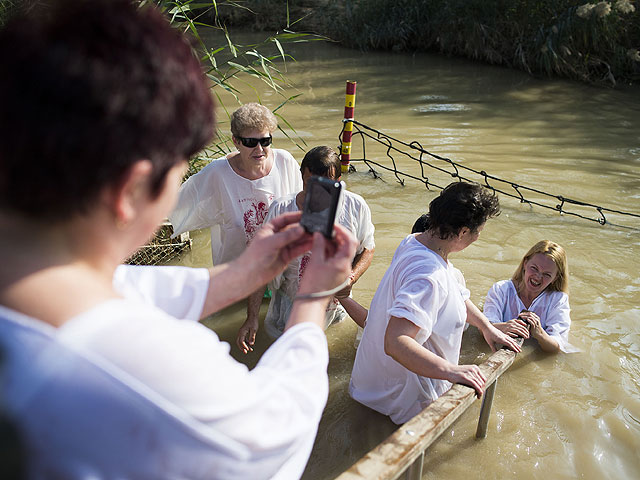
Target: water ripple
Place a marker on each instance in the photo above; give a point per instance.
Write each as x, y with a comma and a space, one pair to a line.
433, 97
442, 107
629, 419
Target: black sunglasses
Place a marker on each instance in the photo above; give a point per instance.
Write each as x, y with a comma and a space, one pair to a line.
253, 142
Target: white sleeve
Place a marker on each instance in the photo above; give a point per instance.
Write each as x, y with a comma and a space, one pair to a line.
558, 322
293, 172
268, 415
366, 229
462, 283
197, 203
417, 301
465, 292
274, 410
179, 291
494, 304
292, 380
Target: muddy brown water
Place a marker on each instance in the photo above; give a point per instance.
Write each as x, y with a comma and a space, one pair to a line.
554, 416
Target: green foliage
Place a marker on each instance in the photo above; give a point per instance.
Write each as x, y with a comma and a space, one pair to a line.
259, 15
8, 8
229, 64
596, 43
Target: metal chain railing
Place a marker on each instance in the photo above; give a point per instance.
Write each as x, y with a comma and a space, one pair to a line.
416, 152
161, 248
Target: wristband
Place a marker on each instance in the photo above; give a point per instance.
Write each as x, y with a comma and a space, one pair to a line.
325, 293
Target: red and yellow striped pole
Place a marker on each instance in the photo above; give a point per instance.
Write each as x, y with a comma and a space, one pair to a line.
349, 110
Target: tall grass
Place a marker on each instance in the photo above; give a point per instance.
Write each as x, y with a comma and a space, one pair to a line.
592, 42
229, 64
8, 8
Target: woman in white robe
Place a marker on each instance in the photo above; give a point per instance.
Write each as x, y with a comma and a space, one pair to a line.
106, 373
535, 302
408, 354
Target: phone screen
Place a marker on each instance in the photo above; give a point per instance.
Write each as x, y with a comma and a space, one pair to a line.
320, 205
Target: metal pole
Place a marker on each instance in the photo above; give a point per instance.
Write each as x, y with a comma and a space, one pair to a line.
349, 111
485, 410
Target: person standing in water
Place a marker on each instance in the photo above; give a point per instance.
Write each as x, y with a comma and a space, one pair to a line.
535, 302
231, 196
353, 214
408, 355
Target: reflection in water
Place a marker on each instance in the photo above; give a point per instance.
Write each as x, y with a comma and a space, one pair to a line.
563, 416
441, 107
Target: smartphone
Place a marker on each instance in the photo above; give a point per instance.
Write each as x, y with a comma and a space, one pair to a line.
320, 205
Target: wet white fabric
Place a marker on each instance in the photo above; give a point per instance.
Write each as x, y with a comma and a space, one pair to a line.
179, 291
424, 289
232, 206
503, 304
125, 390
354, 214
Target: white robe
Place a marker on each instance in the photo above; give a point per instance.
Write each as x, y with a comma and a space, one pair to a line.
135, 388
424, 289
354, 214
503, 304
232, 206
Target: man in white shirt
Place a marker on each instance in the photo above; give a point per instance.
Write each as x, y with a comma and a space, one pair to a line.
353, 213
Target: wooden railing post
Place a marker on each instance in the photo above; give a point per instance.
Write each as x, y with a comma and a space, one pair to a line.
485, 410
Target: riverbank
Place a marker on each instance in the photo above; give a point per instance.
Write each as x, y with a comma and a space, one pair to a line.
596, 43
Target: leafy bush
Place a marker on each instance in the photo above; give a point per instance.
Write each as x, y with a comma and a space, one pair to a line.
592, 42
228, 63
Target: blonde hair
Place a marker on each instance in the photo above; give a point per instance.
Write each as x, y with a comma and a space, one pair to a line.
252, 116
556, 253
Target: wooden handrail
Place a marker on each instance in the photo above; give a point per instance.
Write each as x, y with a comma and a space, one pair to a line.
404, 449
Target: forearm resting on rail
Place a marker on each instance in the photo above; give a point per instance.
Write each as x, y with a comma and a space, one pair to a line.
400, 344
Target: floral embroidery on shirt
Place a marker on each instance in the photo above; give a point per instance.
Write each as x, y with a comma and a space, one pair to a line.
253, 218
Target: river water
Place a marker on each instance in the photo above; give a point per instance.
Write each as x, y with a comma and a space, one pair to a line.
554, 416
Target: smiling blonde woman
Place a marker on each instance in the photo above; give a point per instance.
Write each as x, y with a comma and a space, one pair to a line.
535, 302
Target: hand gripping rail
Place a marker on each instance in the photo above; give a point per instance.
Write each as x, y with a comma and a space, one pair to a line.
403, 451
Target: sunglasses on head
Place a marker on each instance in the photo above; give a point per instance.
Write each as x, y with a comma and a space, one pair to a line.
253, 142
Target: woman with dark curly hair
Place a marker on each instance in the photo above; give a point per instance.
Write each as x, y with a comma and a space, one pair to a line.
408, 355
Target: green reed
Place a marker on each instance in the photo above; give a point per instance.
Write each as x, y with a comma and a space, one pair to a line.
229, 64
596, 42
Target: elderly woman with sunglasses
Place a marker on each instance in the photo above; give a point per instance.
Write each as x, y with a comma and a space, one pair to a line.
232, 194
